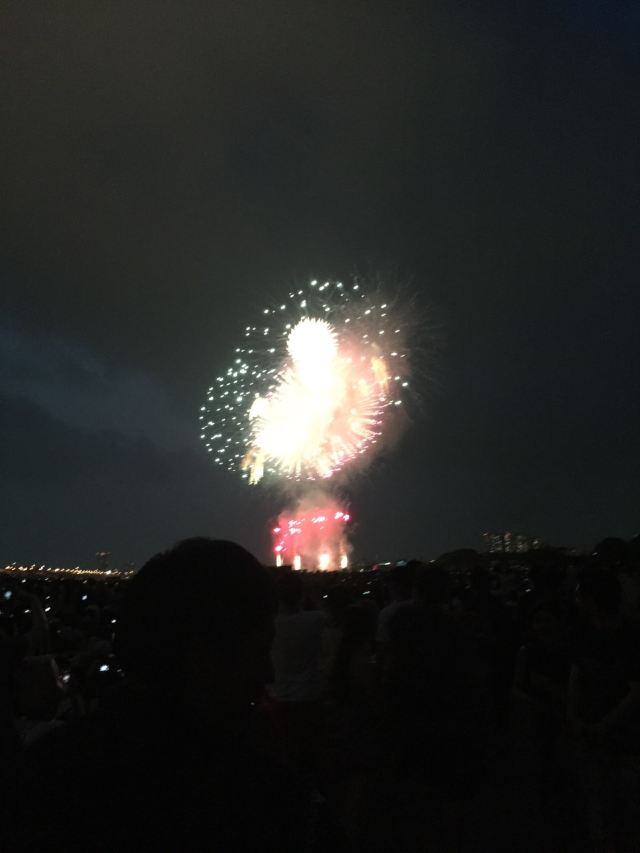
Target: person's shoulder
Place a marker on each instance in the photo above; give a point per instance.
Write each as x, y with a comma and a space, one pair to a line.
629, 639
67, 742
525, 651
581, 637
277, 803
406, 617
59, 769
389, 609
403, 608
267, 768
313, 617
305, 621
630, 629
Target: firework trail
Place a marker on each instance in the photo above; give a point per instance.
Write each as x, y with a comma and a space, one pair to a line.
311, 390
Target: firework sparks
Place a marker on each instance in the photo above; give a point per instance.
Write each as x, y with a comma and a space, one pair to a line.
313, 537
309, 389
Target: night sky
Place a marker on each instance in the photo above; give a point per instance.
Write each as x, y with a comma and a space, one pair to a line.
170, 167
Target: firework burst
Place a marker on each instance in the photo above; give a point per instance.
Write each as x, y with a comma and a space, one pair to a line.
310, 387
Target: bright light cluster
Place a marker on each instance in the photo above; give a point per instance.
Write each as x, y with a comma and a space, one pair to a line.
309, 389
313, 539
49, 570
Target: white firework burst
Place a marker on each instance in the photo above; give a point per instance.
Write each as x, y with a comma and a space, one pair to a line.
309, 389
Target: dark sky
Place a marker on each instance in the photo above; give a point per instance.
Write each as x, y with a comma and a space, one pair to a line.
169, 167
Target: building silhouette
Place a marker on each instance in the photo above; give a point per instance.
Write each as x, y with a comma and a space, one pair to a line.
511, 543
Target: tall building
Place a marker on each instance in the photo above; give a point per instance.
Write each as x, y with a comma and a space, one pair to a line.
511, 543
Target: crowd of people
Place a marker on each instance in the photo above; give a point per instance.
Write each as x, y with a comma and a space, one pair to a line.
476, 702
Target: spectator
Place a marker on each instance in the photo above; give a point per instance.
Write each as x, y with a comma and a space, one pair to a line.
496, 634
431, 715
430, 689
172, 749
298, 687
604, 711
400, 589
353, 679
169, 765
540, 685
353, 684
10, 744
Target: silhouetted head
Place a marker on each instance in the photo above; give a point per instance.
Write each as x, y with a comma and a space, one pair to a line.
197, 623
359, 623
290, 590
599, 592
431, 584
401, 580
546, 625
480, 581
612, 552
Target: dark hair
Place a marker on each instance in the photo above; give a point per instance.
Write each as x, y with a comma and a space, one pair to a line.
612, 552
602, 587
432, 583
401, 577
290, 589
553, 609
358, 623
198, 586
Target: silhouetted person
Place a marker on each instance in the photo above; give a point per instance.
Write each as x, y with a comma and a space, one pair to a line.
498, 636
604, 711
431, 717
352, 675
429, 691
298, 686
400, 590
10, 745
354, 682
169, 765
540, 685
